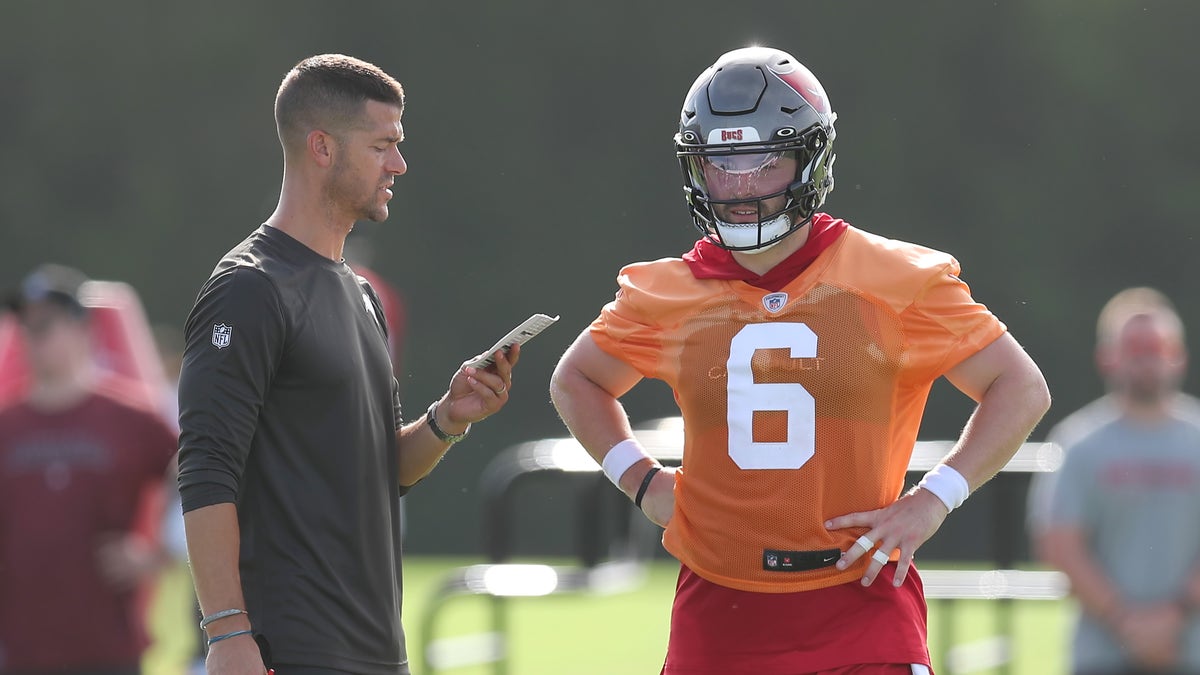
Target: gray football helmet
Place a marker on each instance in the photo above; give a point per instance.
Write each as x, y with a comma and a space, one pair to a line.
755, 145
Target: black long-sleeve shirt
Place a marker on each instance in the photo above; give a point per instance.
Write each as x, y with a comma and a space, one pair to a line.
288, 408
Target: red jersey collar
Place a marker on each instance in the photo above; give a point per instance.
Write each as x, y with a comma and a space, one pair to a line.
709, 261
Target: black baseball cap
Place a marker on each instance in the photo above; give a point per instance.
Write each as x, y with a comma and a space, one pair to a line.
51, 283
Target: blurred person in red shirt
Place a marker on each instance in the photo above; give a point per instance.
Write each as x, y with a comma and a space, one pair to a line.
81, 453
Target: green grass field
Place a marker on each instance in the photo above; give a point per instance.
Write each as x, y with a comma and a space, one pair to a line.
626, 633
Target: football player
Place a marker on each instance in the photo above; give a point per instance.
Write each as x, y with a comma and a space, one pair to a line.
801, 351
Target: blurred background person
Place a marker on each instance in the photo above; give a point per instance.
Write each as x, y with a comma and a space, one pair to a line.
83, 464
1118, 518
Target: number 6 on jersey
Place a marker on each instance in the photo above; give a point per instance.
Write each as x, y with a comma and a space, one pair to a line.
745, 396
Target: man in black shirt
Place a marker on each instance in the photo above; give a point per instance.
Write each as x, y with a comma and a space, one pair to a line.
293, 454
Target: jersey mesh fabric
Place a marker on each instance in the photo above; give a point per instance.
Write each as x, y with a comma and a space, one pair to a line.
796, 415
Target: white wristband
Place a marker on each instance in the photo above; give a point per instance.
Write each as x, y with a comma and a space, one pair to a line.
622, 456
947, 484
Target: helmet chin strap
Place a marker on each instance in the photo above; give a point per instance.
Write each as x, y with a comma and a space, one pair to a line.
740, 235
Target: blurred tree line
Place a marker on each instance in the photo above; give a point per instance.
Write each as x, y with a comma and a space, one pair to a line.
1050, 145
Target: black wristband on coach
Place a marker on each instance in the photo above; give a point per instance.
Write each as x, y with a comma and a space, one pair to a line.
637, 501
431, 418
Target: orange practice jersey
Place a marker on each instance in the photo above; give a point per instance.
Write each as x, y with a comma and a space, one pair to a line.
799, 405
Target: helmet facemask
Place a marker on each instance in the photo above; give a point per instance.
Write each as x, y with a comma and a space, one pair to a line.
749, 197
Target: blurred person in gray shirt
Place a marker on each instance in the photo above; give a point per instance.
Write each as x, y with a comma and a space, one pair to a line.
1119, 516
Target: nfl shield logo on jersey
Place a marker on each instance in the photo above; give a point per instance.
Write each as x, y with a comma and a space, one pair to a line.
221, 335
774, 301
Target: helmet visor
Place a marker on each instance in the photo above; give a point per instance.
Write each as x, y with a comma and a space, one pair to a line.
757, 182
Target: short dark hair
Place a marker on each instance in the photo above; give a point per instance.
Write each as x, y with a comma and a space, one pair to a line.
328, 91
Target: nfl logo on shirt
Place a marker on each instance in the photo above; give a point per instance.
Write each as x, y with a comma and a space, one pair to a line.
221, 335
774, 301
772, 560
